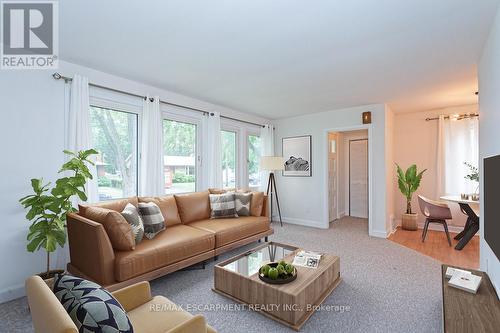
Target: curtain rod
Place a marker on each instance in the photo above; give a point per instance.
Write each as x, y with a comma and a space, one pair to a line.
66, 79
456, 116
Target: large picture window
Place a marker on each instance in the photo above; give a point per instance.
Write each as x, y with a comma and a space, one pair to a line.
179, 156
253, 160
114, 135
228, 159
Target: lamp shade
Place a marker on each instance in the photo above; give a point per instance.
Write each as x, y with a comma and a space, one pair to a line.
271, 163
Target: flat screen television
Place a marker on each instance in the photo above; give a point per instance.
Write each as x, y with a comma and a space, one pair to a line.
491, 167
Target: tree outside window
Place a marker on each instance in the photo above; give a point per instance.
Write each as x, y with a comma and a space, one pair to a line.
228, 159
114, 136
253, 160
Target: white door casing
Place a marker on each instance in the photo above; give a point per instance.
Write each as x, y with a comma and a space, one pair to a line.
332, 177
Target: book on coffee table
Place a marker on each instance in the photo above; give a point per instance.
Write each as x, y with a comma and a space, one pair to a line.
307, 259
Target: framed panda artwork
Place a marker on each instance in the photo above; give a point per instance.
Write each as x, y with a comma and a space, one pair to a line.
297, 156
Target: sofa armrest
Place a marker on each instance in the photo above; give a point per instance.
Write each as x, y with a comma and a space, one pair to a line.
133, 296
196, 324
90, 249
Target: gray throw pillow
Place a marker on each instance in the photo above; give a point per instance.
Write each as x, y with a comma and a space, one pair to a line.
92, 308
131, 214
222, 205
152, 219
242, 203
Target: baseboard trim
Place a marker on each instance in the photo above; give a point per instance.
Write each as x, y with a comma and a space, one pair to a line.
378, 234
306, 223
12, 293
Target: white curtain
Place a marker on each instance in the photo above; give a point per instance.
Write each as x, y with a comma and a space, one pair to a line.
441, 159
212, 154
151, 167
79, 137
267, 149
79, 131
458, 142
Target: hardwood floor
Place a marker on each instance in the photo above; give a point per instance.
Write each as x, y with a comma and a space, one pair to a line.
436, 246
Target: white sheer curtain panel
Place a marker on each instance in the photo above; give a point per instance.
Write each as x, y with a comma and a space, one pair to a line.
79, 137
267, 149
79, 130
152, 176
212, 153
458, 143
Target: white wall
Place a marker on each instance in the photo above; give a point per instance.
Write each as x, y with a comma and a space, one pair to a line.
489, 135
415, 142
303, 199
32, 132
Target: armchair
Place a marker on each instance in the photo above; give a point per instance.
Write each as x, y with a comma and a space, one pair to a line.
146, 313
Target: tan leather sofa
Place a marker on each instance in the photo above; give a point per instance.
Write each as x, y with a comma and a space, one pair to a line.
190, 237
49, 316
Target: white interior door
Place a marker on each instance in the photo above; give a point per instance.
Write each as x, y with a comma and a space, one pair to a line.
358, 178
332, 177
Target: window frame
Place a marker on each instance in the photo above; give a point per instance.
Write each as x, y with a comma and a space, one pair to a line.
118, 106
172, 113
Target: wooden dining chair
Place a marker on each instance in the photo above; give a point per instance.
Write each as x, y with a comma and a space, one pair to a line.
435, 212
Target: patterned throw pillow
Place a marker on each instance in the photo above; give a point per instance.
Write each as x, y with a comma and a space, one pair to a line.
91, 307
152, 219
131, 214
242, 203
222, 205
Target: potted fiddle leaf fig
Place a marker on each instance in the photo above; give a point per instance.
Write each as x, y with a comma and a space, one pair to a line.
408, 183
47, 206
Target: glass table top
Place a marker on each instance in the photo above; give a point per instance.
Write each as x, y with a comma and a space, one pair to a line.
250, 262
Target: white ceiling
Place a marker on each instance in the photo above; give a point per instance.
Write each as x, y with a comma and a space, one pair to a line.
279, 58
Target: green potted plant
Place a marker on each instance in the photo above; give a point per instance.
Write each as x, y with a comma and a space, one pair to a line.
473, 177
408, 183
47, 207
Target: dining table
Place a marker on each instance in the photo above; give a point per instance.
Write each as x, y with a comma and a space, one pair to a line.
471, 209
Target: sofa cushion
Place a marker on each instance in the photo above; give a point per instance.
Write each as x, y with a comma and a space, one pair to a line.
118, 229
257, 203
168, 208
174, 244
116, 205
222, 205
231, 230
153, 220
193, 206
91, 307
131, 214
242, 203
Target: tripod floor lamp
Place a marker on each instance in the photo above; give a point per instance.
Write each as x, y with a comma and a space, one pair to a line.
272, 164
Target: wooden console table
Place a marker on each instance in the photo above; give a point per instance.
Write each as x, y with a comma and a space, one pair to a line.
465, 312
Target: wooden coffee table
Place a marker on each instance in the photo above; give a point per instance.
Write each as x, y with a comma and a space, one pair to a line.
290, 304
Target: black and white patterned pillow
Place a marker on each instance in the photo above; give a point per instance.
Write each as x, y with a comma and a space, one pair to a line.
222, 205
131, 214
152, 219
92, 308
242, 203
